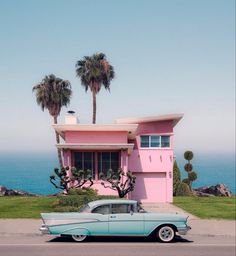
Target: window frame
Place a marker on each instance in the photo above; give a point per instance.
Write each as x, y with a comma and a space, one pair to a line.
150, 141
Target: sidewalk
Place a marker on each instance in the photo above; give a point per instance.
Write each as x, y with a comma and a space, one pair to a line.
199, 226
166, 208
20, 226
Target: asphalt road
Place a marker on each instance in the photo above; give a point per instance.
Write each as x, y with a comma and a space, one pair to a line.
63, 246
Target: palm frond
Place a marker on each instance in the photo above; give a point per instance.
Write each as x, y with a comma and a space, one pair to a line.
95, 71
53, 93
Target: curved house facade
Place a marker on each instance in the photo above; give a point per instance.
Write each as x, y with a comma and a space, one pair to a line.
142, 145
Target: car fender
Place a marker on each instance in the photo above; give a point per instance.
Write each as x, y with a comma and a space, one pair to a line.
76, 231
162, 224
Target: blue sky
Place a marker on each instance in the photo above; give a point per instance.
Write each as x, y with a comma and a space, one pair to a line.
169, 56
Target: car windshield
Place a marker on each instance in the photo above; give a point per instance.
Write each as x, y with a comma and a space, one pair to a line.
85, 208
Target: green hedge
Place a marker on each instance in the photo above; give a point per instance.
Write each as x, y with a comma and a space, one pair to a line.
83, 192
77, 201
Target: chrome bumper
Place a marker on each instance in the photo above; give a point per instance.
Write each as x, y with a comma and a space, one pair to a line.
44, 230
183, 231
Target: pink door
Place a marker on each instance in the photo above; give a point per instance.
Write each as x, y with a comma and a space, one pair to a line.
150, 187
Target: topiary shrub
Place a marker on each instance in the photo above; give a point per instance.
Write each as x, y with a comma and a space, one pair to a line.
192, 176
188, 155
188, 167
183, 190
176, 177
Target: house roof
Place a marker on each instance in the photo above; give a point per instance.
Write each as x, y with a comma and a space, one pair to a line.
137, 120
128, 125
130, 128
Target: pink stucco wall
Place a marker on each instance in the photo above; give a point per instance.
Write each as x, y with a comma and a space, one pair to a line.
151, 160
153, 167
96, 137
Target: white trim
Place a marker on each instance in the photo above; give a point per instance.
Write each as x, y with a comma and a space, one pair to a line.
129, 128
84, 146
137, 120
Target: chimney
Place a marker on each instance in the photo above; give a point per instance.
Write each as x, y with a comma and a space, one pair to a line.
71, 118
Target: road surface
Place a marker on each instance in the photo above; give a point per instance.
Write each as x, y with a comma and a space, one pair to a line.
190, 245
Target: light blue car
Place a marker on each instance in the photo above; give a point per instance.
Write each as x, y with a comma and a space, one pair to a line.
114, 218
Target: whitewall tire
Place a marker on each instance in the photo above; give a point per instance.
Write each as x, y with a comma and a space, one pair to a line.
166, 234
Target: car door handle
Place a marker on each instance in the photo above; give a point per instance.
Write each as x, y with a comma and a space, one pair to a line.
112, 217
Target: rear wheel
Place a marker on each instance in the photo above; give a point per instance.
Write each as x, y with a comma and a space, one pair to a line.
79, 238
166, 234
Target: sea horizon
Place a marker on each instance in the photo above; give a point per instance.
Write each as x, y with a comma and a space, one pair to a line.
30, 172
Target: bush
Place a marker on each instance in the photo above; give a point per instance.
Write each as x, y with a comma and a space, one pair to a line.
183, 190
59, 208
176, 177
75, 202
83, 192
187, 181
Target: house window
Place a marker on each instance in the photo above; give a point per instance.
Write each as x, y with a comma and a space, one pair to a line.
154, 141
84, 161
144, 141
108, 160
165, 141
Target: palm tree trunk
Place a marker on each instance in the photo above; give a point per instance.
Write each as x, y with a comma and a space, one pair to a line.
58, 141
94, 106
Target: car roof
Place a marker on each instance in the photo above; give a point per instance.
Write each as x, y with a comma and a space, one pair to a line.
110, 201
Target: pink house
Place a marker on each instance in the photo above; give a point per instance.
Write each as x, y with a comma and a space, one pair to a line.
142, 145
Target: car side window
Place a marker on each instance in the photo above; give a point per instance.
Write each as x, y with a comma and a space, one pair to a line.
120, 208
102, 209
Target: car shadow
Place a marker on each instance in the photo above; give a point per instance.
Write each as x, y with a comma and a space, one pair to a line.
116, 239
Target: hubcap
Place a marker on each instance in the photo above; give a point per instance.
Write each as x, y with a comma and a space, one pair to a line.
166, 234
79, 238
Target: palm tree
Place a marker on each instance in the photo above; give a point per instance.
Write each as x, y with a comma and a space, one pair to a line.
95, 71
52, 93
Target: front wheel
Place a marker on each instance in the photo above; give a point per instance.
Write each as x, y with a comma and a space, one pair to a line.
79, 238
166, 234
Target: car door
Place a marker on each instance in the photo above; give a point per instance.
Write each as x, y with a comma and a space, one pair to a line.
101, 215
124, 221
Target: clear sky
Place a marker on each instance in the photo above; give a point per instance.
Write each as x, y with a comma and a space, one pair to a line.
170, 56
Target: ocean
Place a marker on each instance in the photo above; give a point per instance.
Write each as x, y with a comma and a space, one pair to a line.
30, 172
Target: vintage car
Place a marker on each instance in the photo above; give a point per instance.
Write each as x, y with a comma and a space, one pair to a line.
114, 218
